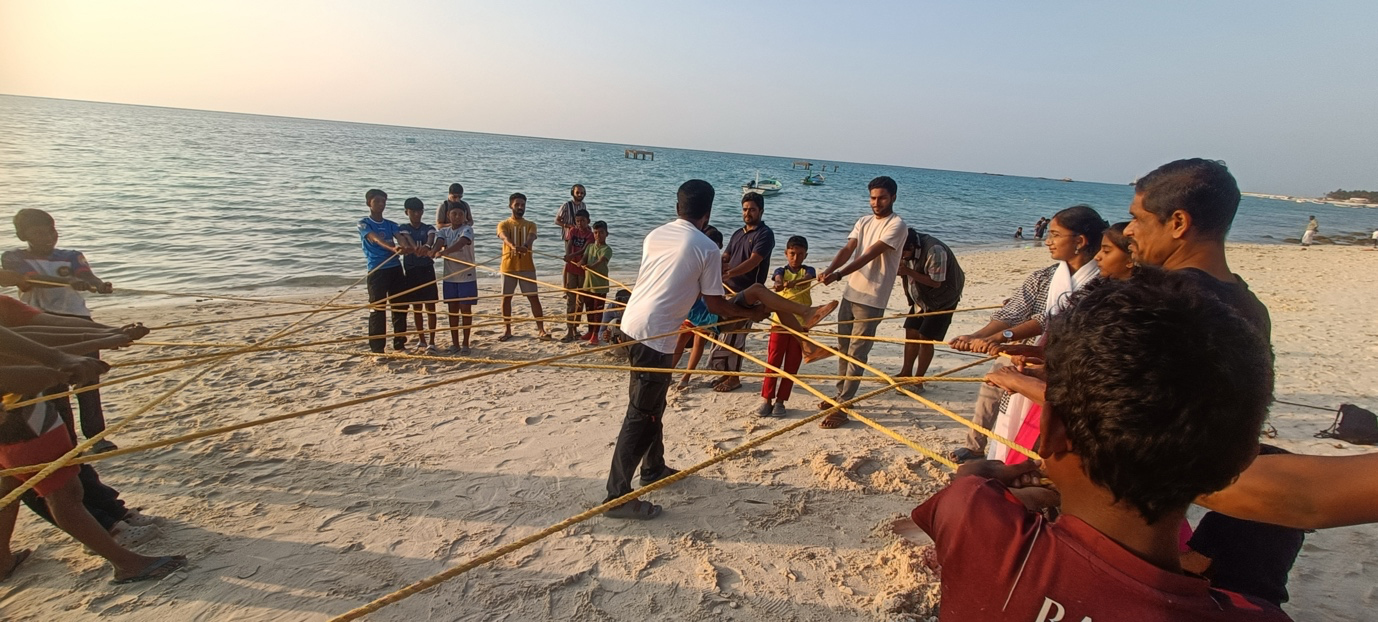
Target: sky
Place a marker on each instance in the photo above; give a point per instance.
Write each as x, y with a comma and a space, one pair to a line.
1285, 93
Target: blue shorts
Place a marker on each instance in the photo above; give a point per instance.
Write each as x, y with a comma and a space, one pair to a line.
463, 293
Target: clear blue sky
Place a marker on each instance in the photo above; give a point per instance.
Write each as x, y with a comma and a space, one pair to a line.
1286, 93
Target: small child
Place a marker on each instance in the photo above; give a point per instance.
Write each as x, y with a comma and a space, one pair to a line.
577, 238
43, 261
379, 239
595, 262
1135, 428
785, 350
455, 241
1115, 258
419, 266
518, 235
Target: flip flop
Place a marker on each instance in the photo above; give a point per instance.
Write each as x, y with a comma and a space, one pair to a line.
545, 337
18, 559
820, 314
161, 567
833, 421
635, 509
504, 337
727, 386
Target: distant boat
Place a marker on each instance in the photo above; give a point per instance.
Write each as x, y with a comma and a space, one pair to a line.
815, 179
1065, 179
763, 187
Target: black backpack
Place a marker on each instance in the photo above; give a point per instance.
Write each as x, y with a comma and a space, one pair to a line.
1353, 425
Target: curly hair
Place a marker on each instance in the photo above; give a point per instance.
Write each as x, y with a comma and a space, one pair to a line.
1162, 388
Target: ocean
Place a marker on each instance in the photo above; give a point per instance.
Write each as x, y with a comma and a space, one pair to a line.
193, 201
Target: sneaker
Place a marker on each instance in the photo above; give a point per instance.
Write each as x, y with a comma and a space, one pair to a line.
779, 410
764, 409
103, 446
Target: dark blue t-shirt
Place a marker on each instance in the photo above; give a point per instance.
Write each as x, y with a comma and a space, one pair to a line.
421, 236
760, 240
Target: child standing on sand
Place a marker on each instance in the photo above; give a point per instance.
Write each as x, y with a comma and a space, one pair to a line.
595, 261
43, 261
518, 235
381, 245
454, 244
792, 281
577, 238
420, 269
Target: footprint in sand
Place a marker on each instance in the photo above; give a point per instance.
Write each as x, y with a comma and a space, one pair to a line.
355, 428
534, 419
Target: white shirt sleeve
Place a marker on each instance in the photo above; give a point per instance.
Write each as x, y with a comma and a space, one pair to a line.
710, 279
895, 233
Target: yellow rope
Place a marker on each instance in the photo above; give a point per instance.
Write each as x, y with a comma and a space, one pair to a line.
451, 573
936, 457
922, 400
75, 452
318, 409
909, 315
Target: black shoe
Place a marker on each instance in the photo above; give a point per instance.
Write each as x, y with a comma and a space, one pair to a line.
664, 473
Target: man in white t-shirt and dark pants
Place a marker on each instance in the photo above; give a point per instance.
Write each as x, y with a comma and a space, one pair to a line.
678, 265
870, 260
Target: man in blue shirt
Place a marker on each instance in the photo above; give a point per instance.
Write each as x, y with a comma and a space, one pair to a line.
381, 244
745, 262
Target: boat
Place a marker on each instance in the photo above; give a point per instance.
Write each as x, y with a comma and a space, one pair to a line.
815, 179
763, 187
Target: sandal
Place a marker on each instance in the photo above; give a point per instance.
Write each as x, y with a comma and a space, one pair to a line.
505, 337
635, 509
833, 421
160, 568
729, 385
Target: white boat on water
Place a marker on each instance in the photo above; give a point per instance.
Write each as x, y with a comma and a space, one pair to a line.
764, 187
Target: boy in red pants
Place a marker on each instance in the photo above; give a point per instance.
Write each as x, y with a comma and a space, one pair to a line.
792, 282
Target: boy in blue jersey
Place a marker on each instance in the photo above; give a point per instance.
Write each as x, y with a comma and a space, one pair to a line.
420, 269
69, 274
381, 244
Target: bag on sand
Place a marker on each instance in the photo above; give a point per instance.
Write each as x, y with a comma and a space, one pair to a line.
1353, 425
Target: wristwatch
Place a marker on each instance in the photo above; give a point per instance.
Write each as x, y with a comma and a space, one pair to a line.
1008, 335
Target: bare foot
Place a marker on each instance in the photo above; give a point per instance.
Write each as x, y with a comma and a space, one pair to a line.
819, 313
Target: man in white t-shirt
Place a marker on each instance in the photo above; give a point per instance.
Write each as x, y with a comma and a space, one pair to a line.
679, 264
870, 260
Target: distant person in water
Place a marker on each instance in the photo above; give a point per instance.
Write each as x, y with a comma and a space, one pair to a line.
1040, 227
1019, 233
1309, 237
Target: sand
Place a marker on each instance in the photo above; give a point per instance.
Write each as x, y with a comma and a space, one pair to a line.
308, 518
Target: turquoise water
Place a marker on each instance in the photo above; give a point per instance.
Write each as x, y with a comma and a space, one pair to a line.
185, 200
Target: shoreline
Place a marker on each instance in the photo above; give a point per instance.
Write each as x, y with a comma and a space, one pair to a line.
307, 518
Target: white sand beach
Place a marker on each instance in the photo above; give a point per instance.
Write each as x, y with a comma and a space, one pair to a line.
308, 518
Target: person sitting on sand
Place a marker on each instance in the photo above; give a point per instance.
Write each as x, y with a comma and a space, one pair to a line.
870, 260
34, 434
678, 265
1115, 258
1161, 425
933, 282
518, 236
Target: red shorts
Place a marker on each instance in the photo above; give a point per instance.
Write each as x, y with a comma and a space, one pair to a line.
46, 448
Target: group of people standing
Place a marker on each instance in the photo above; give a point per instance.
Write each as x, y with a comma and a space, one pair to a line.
1139, 368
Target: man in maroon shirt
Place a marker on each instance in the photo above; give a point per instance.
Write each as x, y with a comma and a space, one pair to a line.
1156, 392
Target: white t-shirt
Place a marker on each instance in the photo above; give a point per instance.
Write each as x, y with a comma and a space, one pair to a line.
678, 264
458, 272
872, 284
